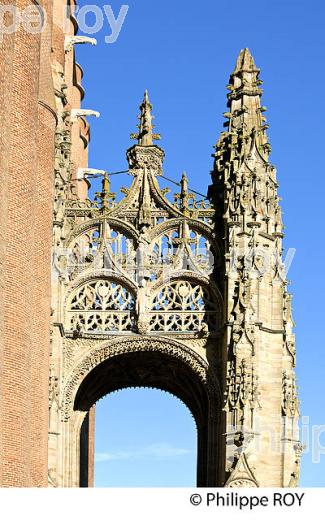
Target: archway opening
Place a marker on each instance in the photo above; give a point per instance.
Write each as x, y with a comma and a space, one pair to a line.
153, 369
144, 438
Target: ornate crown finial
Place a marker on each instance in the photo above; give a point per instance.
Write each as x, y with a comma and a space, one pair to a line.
145, 137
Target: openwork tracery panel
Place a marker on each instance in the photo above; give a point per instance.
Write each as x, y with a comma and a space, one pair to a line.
82, 252
182, 249
182, 306
201, 252
165, 245
120, 252
101, 306
162, 252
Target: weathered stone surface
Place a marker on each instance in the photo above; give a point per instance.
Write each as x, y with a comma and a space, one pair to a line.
151, 295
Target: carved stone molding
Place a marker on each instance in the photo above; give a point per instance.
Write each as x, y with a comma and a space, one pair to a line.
54, 392
295, 475
290, 402
242, 393
241, 474
126, 346
115, 223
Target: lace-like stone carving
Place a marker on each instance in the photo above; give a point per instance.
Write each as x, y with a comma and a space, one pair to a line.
101, 306
123, 346
182, 306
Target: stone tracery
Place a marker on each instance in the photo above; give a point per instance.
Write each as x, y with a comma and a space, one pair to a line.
101, 306
183, 281
182, 306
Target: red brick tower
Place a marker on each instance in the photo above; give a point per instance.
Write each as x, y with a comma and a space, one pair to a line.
40, 81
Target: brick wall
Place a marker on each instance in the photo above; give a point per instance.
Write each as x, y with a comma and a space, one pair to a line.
28, 122
29, 110
20, 77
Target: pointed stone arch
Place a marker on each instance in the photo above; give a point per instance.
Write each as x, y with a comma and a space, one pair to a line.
144, 362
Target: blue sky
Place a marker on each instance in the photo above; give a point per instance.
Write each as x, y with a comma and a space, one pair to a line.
183, 52
144, 437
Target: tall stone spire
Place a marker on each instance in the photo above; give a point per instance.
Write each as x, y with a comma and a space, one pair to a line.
145, 137
243, 176
260, 338
244, 101
145, 155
